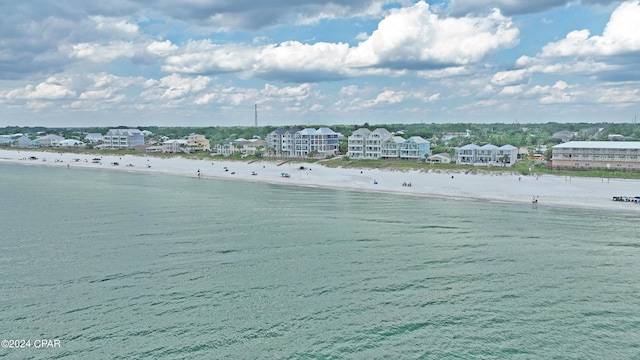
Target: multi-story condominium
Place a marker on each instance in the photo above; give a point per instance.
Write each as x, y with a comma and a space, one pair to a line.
390, 148
487, 154
366, 144
289, 142
197, 142
122, 139
396, 147
50, 140
274, 141
415, 147
281, 142
356, 141
322, 141
613, 155
467, 154
373, 143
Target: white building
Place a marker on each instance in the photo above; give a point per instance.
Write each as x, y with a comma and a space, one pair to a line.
94, 138
366, 144
49, 140
116, 139
610, 155
390, 148
356, 143
488, 154
322, 142
71, 144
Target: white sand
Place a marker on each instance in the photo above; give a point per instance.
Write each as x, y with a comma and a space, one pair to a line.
594, 193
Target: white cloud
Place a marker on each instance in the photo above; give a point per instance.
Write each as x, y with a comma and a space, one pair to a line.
51, 89
202, 57
415, 36
513, 90
512, 77
621, 35
100, 53
408, 38
174, 88
115, 27
617, 96
161, 48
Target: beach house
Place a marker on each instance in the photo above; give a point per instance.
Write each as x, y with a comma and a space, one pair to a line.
49, 140
467, 154
15, 140
415, 148
390, 148
610, 155
196, 142
487, 154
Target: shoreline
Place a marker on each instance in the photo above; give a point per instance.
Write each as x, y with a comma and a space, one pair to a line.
548, 190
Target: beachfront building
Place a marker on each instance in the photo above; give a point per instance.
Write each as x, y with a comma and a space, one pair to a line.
488, 154
94, 138
274, 141
467, 154
116, 139
321, 142
355, 143
441, 158
373, 143
15, 140
415, 148
397, 147
507, 154
71, 144
197, 143
281, 142
241, 146
610, 155
366, 144
50, 140
174, 146
288, 143
390, 148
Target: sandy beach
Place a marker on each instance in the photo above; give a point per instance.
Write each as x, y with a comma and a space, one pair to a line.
593, 193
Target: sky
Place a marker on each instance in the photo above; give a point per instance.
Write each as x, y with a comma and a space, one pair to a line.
78, 63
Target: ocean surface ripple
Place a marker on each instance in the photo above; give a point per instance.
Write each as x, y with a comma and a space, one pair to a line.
122, 266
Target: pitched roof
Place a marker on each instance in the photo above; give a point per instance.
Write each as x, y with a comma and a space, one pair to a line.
470, 147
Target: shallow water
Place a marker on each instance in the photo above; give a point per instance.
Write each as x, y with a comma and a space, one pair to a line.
122, 265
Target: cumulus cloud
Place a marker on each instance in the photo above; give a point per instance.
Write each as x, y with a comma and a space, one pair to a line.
408, 38
205, 57
621, 35
415, 37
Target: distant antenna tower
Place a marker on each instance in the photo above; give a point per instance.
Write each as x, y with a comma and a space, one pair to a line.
255, 123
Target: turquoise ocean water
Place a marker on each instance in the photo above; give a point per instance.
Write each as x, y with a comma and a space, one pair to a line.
127, 266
